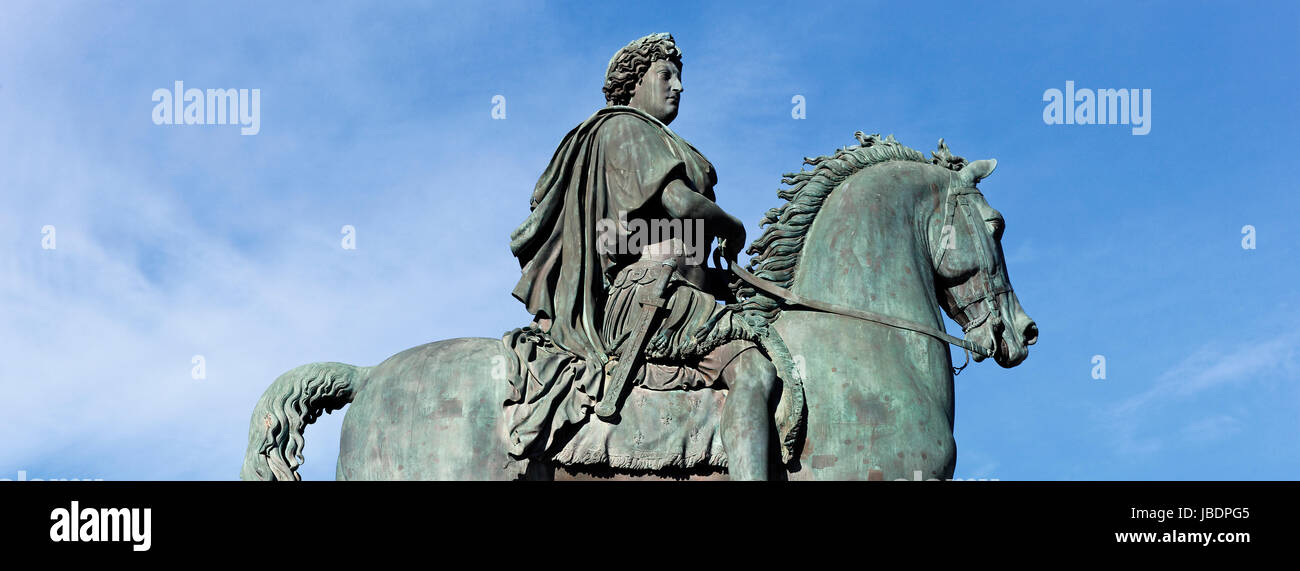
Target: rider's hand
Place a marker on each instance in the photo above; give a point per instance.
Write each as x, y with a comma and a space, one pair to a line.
734, 238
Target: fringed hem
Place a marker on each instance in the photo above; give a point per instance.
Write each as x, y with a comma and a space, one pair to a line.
641, 462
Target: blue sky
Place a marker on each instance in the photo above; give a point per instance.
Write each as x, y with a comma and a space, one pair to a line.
176, 241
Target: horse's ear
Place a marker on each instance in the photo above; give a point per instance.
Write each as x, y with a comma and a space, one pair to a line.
977, 171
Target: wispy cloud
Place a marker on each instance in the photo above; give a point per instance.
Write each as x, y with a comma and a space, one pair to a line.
186, 244
1253, 365
1211, 429
1259, 360
176, 242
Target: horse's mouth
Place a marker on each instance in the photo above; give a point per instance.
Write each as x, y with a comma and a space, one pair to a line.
1008, 357
1013, 347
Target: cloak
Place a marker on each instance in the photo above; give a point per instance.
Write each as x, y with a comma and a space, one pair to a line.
618, 160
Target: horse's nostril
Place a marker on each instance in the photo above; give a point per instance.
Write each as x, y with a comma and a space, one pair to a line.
1031, 333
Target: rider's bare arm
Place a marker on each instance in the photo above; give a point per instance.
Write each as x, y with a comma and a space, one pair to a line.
683, 203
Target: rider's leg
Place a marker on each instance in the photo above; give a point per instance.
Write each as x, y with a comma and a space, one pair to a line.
747, 414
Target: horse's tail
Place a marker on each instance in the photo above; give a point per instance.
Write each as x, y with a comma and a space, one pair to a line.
296, 399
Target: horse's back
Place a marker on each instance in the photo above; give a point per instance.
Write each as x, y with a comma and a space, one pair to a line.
429, 413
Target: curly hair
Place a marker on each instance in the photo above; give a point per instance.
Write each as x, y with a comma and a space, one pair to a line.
630, 63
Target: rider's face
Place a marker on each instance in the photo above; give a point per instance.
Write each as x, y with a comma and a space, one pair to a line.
659, 91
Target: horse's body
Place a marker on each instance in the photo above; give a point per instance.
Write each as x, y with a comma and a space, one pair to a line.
879, 399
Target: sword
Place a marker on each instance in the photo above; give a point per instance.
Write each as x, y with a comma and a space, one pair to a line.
651, 299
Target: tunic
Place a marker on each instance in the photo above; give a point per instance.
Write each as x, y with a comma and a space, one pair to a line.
614, 165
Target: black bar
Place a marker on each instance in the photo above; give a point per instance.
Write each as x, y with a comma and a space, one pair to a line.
527, 519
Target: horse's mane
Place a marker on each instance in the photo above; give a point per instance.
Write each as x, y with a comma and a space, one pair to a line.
776, 252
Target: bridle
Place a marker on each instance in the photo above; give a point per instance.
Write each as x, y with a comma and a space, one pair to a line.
994, 284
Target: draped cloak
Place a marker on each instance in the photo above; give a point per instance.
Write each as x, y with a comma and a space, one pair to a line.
619, 160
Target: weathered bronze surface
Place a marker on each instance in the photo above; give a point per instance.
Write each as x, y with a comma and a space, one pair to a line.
835, 368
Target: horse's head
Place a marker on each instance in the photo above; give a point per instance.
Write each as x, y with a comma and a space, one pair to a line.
971, 272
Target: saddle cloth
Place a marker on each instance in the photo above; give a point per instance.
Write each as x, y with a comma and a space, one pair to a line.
656, 429
548, 415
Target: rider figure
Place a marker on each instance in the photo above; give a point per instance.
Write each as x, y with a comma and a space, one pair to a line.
617, 175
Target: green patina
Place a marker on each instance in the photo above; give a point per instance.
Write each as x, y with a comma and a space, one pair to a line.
873, 227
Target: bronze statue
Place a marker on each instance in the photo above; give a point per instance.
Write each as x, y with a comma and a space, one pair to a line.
625, 164
827, 361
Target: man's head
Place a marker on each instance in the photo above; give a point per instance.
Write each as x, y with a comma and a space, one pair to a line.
646, 74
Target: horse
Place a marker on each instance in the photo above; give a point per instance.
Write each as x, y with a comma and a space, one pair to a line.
852, 272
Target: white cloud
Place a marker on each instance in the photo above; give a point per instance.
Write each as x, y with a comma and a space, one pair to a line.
174, 243
1211, 429
1258, 360
1253, 365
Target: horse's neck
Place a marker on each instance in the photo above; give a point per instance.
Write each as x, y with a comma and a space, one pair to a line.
865, 249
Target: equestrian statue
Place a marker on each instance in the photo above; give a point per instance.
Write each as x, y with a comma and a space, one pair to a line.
823, 358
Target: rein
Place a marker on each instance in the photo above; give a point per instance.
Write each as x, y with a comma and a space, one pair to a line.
796, 299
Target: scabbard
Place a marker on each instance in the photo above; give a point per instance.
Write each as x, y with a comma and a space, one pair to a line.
652, 299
